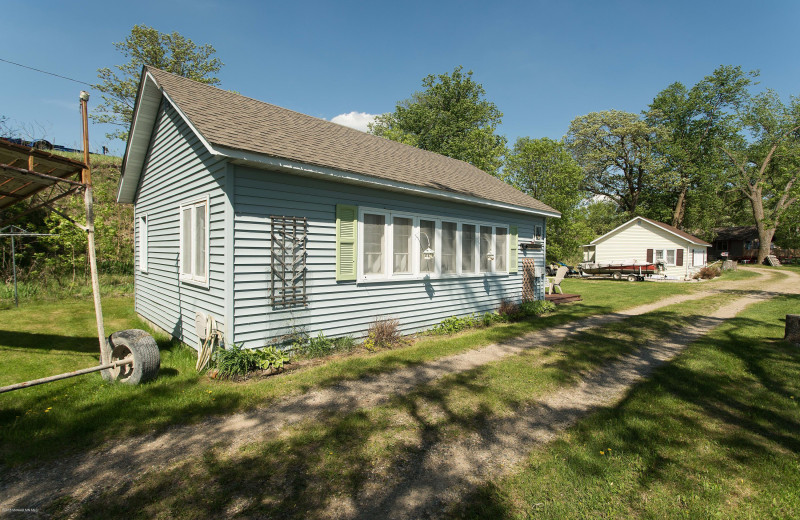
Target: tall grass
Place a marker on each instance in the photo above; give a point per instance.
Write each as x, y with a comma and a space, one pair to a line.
63, 287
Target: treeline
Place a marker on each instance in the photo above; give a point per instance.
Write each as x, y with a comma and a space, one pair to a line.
716, 154
61, 258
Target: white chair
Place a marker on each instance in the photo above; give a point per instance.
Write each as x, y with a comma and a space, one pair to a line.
555, 283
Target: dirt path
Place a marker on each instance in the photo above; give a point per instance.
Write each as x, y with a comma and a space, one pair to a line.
441, 468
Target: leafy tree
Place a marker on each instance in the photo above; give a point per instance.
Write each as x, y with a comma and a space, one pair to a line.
146, 46
765, 161
696, 121
544, 169
451, 117
616, 151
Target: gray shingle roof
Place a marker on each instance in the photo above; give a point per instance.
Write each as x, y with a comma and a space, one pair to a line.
234, 121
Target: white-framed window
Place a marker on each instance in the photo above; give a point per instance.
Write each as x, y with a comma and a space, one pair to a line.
394, 245
667, 256
193, 262
143, 243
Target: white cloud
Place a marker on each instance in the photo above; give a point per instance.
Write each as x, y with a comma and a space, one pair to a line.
357, 120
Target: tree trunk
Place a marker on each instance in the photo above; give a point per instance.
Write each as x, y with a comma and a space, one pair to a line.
792, 328
765, 233
680, 209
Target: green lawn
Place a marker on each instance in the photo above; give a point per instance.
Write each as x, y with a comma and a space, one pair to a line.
715, 434
42, 338
293, 473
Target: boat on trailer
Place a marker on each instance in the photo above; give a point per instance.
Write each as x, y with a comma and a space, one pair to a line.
632, 271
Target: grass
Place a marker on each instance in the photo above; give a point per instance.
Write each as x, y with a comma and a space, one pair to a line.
55, 289
43, 338
299, 471
715, 434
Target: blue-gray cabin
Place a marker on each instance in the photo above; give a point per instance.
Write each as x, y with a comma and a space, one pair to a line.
274, 222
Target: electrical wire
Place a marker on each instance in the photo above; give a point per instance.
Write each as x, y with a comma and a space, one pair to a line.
45, 72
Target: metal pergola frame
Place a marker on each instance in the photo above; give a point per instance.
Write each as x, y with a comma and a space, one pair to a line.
26, 172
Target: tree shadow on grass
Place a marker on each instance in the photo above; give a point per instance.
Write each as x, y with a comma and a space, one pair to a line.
34, 341
730, 394
369, 460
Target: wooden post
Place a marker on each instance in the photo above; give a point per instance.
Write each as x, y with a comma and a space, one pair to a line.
14, 270
86, 178
792, 329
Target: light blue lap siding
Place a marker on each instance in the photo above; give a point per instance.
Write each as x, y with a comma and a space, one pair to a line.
339, 308
178, 169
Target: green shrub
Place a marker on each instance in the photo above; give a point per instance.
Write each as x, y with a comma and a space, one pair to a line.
270, 357
493, 317
321, 345
235, 362
455, 324
536, 308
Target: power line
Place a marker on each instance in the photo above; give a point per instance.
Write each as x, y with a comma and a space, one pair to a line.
45, 72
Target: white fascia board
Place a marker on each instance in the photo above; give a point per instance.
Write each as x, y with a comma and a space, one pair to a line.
322, 172
141, 132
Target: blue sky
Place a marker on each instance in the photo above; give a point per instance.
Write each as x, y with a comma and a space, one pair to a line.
541, 63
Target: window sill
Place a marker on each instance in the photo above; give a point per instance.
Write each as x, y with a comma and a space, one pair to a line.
203, 284
419, 278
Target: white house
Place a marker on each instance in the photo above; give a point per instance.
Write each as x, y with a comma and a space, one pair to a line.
643, 240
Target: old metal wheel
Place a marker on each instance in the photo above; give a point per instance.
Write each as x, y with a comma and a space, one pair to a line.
631, 277
617, 276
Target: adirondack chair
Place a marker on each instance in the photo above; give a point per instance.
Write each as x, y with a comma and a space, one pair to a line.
555, 283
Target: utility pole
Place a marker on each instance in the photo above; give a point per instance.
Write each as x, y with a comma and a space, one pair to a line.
86, 179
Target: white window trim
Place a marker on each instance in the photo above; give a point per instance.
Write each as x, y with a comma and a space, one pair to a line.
202, 281
664, 252
143, 242
416, 246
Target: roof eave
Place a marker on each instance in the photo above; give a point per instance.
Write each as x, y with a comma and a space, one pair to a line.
323, 172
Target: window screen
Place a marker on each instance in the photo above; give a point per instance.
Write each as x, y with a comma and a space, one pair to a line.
449, 243
467, 248
199, 241
186, 237
501, 249
486, 247
401, 233
374, 228
427, 239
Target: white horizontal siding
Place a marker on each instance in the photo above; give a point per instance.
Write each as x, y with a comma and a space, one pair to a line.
632, 242
339, 308
178, 169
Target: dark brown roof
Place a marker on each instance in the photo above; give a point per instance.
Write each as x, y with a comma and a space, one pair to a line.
736, 233
234, 121
677, 231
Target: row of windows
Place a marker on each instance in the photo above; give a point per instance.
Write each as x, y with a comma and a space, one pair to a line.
397, 245
391, 245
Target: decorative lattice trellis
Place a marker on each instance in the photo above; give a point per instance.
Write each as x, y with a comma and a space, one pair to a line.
528, 279
288, 237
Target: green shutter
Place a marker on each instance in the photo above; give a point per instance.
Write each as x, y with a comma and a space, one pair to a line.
513, 247
346, 243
